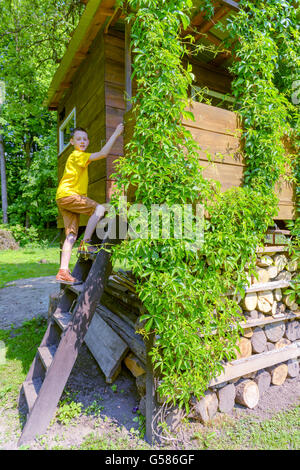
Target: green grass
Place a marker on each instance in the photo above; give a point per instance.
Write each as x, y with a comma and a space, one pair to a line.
24, 263
281, 432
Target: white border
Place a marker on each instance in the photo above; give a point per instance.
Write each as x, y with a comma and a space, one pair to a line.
61, 131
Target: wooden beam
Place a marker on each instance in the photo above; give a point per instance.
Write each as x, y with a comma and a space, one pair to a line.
117, 13
256, 362
231, 4
207, 25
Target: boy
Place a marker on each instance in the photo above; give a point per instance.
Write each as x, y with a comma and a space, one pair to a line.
72, 201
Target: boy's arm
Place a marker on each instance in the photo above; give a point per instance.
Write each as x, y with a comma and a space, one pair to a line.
109, 144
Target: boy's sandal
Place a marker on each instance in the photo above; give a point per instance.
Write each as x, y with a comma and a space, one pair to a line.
63, 276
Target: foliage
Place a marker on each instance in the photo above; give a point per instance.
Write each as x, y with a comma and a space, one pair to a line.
184, 290
33, 37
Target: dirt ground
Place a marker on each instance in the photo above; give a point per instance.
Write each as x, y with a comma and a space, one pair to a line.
24, 299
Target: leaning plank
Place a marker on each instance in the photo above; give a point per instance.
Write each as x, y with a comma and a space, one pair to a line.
133, 340
106, 346
282, 284
256, 362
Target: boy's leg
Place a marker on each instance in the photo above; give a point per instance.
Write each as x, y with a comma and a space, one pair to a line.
71, 223
93, 221
67, 250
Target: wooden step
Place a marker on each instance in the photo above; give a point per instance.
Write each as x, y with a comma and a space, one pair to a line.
31, 390
77, 288
46, 354
62, 319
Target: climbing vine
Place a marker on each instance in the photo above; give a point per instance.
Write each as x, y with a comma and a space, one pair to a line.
184, 290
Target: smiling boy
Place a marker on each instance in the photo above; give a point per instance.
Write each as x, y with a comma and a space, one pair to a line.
72, 200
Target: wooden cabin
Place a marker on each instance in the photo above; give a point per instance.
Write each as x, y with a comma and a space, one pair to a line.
89, 86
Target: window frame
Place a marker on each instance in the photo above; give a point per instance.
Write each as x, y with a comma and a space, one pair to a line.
61, 146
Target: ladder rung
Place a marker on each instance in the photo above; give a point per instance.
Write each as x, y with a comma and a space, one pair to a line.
62, 319
77, 288
46, 354
31, 391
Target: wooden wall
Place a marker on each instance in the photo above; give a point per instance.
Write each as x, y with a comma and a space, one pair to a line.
215, 130
114, 84
97, 91
220, 153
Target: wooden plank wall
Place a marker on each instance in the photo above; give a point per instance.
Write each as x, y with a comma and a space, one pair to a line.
87, 94
215, 130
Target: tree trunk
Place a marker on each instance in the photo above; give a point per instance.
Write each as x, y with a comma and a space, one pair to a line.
3, 182
28, 163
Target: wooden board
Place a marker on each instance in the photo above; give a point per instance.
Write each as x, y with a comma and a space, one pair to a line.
256, 362
106, 346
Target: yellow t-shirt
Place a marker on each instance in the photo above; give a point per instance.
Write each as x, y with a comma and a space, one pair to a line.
75, 177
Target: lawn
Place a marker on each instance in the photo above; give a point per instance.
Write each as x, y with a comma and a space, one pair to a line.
25, 263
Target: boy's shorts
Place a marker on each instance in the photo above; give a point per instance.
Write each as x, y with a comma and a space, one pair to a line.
71, 207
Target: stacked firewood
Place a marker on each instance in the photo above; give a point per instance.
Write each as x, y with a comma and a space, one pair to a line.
267, 353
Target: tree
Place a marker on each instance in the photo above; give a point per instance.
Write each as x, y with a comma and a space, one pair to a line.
33, 37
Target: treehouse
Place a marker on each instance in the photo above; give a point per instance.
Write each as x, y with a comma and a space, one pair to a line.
93, 78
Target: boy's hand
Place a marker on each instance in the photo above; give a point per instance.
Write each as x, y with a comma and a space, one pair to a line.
119, 129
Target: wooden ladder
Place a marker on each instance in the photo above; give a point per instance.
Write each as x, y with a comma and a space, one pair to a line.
65, 333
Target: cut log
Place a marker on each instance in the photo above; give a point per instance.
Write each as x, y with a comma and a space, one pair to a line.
273, 271
277, 294
280, 262
265, 261
282, 343
293, 368
283, 276
249, 302
263, 381
292, 331
258, 340
206, 408
265, 301
247, 393
292, 265
278, 373
262, 276
134, 365
270, 346
134, 341
226, 396
244, 348
275, 331
274, 307
106, 346
141, 385
248, 332
280, 308
288, 300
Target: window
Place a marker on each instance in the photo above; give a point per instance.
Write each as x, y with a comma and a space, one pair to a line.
216, 99
65, 130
